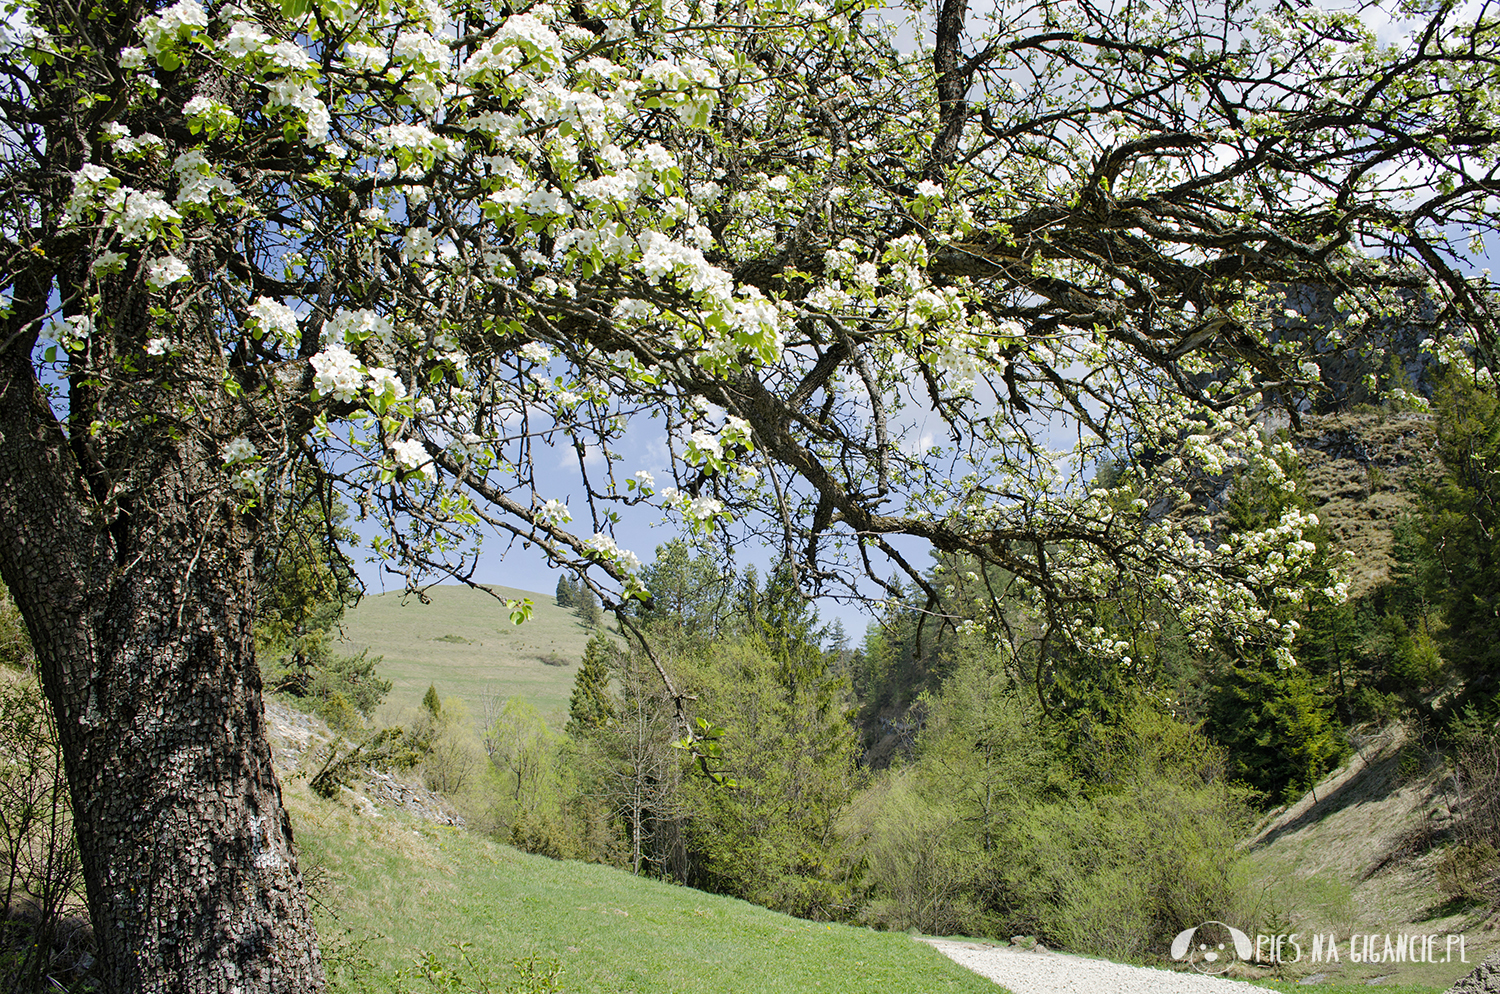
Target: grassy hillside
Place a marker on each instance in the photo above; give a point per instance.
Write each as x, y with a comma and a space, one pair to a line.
390, 889
1351, 858
464, 643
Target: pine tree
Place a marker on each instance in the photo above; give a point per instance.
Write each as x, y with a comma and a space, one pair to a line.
588, 607
590, 706
567, 592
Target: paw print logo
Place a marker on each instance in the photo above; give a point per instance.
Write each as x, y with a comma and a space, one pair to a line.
1212, 947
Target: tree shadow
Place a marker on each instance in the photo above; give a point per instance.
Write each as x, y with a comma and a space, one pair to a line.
1372, 782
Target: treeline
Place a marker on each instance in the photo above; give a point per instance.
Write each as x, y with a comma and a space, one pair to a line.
957, 772
992, 817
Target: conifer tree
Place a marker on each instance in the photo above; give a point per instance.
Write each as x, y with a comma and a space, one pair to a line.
419, 244
590, 706
588, 607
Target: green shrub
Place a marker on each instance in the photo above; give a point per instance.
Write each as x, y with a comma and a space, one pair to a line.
1106, 838
1467, 872
43, 922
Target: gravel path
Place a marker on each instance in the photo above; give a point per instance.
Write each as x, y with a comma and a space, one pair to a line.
1053, 973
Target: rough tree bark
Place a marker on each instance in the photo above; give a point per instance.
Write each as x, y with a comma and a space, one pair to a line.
132, 560
141, 618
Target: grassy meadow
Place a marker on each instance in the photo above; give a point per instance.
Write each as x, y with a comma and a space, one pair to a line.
390, 889
464, 644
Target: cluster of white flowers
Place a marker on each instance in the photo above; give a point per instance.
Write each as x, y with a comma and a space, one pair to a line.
141, 147
140, 215
301, 97
605, 548
276, 320
1280, 554
197, 182
1210, 454
418, 245
357, 325
249, 479
163, 272
287, 55
468, 446
369, 57
536, 352
207, 113
238, 450
701, 512
90, 182
336, 373
709, 447
410, 137
107, 263
690, 87
245, 38
703, 508
521, 39
161, 33
585, 111
554, 512
385, 385
411, 456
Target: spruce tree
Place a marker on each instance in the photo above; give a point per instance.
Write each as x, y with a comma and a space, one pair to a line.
590, 706
567, 592
588, 607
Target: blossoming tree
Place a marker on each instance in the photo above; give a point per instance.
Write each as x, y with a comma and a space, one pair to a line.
858, 293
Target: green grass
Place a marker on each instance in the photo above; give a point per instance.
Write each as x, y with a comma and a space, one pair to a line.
464, 644
390, 889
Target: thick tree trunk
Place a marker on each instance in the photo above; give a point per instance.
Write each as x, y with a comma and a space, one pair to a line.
142, 623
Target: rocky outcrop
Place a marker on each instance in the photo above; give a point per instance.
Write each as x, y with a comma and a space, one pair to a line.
1359, 471
299, 740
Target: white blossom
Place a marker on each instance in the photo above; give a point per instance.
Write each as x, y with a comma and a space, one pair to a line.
411, 455
554, 512
276, 320
605, 547
703, 508
160, 32
140, 215
386, 383
197, 182
357, 325
337, 373
163, 272
238, 450
245, 38
418, 245
106, 263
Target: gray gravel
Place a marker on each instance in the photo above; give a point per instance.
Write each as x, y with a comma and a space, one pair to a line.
1053, 973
